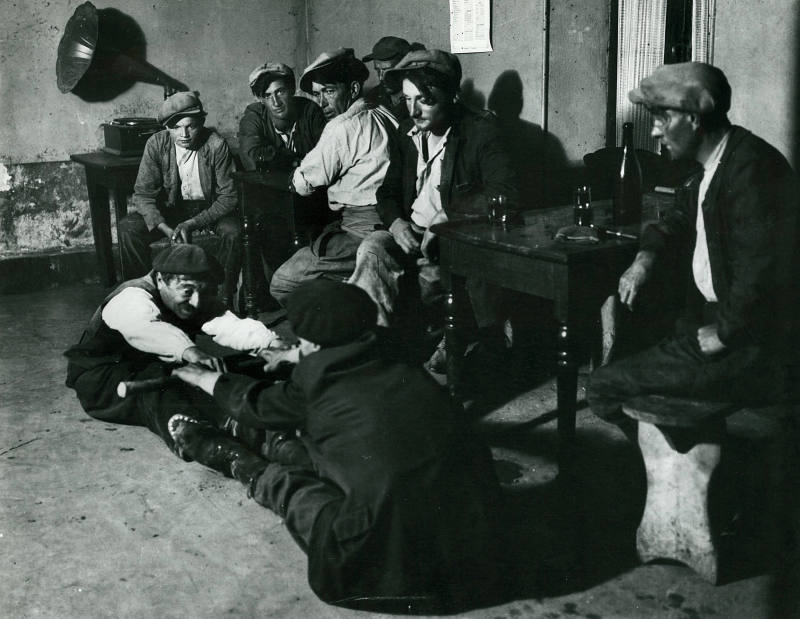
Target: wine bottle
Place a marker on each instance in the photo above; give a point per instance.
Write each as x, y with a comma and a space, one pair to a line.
628, 184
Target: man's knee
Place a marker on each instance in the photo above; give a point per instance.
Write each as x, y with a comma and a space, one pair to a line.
131, 226
289, 275
379, 243
229, 228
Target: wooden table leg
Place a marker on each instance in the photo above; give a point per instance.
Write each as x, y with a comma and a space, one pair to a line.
101, 228
248, 249
120, 211
454, 344
567, 396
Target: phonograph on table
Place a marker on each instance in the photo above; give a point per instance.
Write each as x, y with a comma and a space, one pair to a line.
92, 65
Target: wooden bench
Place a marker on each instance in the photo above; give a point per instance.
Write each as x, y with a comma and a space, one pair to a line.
685, 444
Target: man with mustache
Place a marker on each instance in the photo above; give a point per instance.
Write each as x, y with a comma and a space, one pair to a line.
184, 184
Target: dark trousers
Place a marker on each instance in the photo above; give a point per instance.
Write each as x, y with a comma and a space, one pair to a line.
97, 391
135, 240
677, 367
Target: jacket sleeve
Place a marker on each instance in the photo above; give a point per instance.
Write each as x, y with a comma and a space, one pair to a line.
259, 403
757, 192
224, 186
677, 224
253, 142
390, 193
149, 183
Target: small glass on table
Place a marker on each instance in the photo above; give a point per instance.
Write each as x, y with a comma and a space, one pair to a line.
583, 206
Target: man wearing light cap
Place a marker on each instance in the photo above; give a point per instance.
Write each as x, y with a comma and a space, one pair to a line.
449, 160
736, 234
279, 129
184, 184
350, 161
140, 331
397, 509
386, 53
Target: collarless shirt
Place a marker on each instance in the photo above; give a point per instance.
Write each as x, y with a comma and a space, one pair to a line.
287, 137
189, 173
428, 203
701, 266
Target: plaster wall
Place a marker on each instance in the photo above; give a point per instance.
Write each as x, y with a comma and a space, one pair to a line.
210, 45
755, 44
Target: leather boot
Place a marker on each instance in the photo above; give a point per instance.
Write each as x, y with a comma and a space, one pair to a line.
285, 448
205, 444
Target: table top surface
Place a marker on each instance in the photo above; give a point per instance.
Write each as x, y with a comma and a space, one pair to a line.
535, 238
106, 161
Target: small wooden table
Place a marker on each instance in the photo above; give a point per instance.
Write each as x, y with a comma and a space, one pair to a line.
105, 172
576, 277
267, 194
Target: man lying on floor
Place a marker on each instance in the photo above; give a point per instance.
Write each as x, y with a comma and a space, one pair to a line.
395, 501
140, 331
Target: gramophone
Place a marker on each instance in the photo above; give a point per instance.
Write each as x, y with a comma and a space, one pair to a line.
100, 56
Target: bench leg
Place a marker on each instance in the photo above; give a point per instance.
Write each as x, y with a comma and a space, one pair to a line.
675, 524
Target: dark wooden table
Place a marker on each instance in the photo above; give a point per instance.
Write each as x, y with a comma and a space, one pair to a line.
265, 196
577, 278
106, 172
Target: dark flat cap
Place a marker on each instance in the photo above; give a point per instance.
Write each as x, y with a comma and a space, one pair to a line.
330, 313
687, 86
188, 259
387, 48
179, 105
341, 60
434, 59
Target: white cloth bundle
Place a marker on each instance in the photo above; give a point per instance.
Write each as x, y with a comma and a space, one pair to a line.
241, 333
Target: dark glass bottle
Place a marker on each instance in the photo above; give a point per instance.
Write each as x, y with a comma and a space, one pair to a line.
628, 184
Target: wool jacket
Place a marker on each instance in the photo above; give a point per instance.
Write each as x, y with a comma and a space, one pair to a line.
750, 215
158, 184
474, 167
418, 491
259, 138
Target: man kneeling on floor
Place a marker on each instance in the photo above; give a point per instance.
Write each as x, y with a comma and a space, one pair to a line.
396, 502
140, 331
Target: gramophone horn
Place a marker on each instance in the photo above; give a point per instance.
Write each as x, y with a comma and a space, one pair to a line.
96, 70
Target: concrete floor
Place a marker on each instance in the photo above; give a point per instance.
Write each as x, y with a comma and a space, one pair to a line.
99, 520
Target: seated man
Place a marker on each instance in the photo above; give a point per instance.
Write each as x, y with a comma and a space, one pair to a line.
737, 235
448, 162
140, 331
351, 159
386, 53
398, 504
184, 184
279, 129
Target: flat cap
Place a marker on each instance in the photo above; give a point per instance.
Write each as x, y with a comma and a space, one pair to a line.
387, 48
188, 259
434, 59
687, 86
330, 313
178, 105
342, 59
278, 69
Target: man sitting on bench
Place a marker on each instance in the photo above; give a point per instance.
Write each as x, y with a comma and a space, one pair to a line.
737, 233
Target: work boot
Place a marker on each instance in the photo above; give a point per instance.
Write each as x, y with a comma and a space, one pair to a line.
285, 448
205, 444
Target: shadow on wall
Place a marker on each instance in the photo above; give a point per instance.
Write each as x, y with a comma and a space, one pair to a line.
119, 60
533, 152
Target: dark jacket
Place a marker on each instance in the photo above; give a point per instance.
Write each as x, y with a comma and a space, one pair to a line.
158, 184
750, 215
258, 137
418, 492
474, 167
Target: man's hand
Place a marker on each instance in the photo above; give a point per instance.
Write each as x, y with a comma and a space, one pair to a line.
194, 355
633, 278
709, 341
166, 230
403, 233
276, 358
198, 376
182, 233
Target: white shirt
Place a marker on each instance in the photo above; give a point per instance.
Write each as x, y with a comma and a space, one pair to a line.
701, 267
189, 173
134, 313
428, 203
288, 137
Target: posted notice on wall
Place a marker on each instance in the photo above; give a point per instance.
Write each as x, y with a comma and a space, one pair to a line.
470, 26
